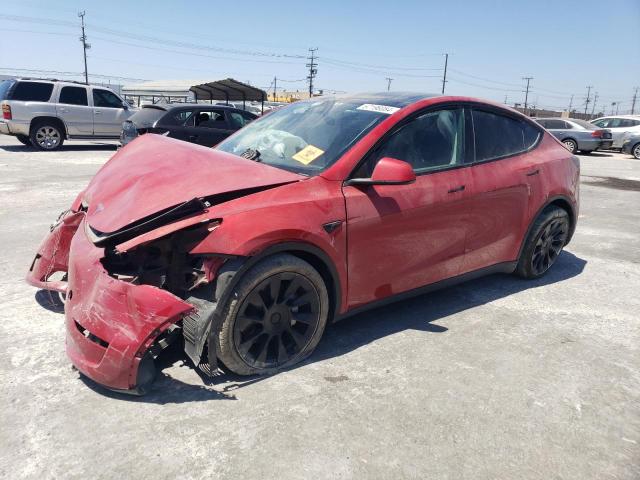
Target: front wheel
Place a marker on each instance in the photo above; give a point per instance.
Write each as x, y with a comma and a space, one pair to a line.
546, 240
635, 151
274, 318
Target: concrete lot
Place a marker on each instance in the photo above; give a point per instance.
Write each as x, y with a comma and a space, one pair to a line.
497, 378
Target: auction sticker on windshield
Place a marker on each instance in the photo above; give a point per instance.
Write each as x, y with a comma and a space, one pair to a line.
370, 107
308, 154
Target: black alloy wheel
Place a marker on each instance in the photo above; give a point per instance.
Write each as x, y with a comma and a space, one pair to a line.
549, 245
277, 320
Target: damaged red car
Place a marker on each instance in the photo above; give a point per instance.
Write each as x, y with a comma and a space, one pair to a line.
317, 211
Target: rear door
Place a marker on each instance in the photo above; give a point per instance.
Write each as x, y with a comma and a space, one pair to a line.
505, 187
210, 127
73, 108
108, 113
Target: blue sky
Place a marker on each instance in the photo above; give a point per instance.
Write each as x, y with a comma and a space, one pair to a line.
564, 45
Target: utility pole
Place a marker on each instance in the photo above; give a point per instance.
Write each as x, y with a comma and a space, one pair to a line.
275, 80
388, 83
313, 71
506, 97
586, 103
570, 103
85, 47
526, 95
633, 103
595, 99
444, 78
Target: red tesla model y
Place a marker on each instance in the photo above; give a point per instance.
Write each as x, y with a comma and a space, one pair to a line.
319, 210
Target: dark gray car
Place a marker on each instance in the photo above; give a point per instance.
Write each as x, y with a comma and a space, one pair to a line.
198, 123
577, 134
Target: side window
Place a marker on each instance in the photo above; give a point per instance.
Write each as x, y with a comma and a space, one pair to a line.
238, 120
105, 99
499, 136
73, 96
555, 124
432, 141
603, 123
210, 119
179, 118
615, 123
32, 91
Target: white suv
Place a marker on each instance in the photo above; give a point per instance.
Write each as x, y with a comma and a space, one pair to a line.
44, 113
620, 126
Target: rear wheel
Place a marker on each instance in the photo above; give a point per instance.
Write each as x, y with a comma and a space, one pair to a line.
570, 144
275, 317
635, 151
546, 240
47, 135
24, 139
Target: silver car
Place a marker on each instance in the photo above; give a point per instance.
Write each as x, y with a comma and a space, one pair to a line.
620, 126
44, 113
577, 134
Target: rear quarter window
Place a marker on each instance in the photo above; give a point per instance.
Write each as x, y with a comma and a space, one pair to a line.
498, 136
5, 85
32, 91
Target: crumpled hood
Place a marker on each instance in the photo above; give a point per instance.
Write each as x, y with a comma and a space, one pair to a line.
154, 173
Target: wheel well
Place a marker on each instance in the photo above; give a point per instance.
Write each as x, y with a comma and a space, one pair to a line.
566, 206
326, 274
54, 120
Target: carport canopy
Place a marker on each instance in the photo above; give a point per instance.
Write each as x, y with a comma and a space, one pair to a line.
228, 90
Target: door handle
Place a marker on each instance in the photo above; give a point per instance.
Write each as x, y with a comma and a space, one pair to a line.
193, 138
535, 172
457, 189
97, 112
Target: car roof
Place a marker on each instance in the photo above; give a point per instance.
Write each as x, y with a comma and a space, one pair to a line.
391, 99
632, 117
187, 106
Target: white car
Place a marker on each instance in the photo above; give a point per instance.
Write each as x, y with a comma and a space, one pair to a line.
619, 125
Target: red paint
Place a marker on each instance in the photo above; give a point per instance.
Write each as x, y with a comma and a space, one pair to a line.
393, 238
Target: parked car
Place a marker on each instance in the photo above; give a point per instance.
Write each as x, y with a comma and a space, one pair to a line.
619, 125
43, 113
631, 145
241, 250
577, 134
192, 122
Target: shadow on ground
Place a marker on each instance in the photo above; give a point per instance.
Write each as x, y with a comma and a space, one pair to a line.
420, 313
65, 148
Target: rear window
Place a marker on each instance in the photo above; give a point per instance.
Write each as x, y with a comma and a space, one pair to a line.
32, 91
4, 88
73, 96
584, 124
146, 117
499, 136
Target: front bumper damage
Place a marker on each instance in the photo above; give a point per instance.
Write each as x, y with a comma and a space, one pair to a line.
112, 326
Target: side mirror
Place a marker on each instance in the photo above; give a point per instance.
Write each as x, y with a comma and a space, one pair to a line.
125, 105
388, 171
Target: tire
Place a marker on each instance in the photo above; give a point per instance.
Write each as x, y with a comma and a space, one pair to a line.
263, 330
570, 144
635, 151
47, 135
545, 242
24, 139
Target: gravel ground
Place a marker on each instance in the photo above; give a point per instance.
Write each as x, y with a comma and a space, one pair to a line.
496, 378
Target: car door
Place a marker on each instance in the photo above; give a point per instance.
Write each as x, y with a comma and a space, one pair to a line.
505, 187
401, 237
210, 127
109, 112
178, 123
74, 110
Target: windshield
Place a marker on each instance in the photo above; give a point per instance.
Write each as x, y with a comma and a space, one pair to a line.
307, 137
